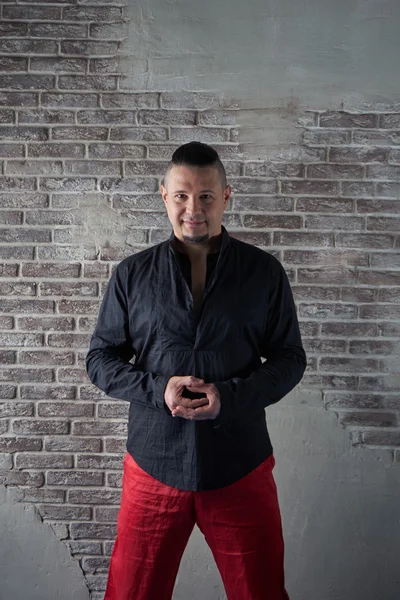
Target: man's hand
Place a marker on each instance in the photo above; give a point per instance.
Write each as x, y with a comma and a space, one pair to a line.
173, 392
210, 408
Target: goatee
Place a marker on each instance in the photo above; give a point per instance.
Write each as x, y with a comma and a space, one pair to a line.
196, 239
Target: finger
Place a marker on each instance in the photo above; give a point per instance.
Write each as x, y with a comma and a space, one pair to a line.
181, 411
190, 380
198, 402
197, 388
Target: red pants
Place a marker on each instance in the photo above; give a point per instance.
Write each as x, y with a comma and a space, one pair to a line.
241, 524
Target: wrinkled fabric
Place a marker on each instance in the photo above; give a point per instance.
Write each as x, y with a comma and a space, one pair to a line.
241, 524
247, 314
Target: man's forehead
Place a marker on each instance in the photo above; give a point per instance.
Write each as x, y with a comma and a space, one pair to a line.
183, 175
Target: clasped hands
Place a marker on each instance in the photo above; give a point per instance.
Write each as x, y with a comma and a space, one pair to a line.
198, 409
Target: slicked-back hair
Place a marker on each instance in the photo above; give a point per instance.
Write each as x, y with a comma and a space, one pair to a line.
197, 154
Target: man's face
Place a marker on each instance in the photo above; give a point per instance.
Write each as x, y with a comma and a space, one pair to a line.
195, 202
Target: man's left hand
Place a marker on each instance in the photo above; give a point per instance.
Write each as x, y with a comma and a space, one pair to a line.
208, 411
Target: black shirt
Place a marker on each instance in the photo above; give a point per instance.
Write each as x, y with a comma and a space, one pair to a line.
247, 314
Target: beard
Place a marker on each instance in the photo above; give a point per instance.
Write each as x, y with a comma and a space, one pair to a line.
196, 239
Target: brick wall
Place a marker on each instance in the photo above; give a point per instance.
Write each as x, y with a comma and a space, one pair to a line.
81, 163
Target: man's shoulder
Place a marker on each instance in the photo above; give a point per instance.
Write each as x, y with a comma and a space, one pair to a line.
143, 258
253, 253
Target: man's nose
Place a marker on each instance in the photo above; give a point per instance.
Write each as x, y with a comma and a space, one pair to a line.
193, 205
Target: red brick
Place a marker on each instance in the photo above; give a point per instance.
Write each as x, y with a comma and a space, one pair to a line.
371, 419
72, 444
65, 513
94, 497
39, 426
65, 409
43, 461
47, 392
19, 444
72, 478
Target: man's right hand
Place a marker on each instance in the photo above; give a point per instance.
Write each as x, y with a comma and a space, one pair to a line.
173, 392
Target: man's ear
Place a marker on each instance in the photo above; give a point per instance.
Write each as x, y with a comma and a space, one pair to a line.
227, 194
164, 192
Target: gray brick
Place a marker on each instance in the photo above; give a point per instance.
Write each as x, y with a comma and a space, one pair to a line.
65, 100
87, 82
72, 444
56, 150
27, 82
27, 46
72, 478
39, 426
208, 135
100, 14
58, 65
15, 409
43, 461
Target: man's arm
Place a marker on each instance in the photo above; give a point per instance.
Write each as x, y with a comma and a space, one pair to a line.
277, 376
282, 348
111, 349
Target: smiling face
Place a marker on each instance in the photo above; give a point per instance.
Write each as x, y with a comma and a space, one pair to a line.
195, 201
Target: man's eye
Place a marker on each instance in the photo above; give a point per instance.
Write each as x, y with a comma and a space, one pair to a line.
206, 198
180, 196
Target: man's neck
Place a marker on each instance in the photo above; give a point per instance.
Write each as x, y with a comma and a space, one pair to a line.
199, 252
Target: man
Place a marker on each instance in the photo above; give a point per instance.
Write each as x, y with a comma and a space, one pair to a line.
198, 312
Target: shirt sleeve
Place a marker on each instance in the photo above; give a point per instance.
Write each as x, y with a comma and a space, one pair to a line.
111, 349
283, 350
